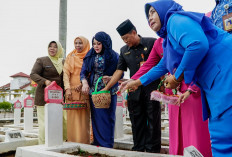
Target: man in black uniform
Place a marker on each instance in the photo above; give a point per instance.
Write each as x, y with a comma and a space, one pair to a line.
145, 114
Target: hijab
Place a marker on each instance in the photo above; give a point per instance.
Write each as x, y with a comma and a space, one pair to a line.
110, 56
75, 59
165, 8
58, 58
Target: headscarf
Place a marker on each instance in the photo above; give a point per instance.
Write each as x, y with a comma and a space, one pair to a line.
75, 59
165, 8
110, 56
58, 58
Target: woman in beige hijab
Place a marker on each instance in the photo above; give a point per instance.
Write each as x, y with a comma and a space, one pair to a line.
78, 120
45, 70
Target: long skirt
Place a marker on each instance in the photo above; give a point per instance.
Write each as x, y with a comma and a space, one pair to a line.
186, 127
221, 134
103, 123
78, 125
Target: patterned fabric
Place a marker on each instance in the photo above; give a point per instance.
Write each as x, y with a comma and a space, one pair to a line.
74, 105
99, 69
220, 11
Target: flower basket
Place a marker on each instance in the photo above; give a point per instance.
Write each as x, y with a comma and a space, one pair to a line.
163, 97
101, 99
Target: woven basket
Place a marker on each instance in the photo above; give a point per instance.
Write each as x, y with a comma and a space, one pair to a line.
101, 99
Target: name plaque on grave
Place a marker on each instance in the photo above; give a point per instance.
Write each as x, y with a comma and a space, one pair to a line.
14, 136
53, 93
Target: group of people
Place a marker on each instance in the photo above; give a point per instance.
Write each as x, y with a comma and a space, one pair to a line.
192, 48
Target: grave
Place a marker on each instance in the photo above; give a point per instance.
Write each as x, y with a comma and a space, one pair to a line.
28, 113
53, 115
19, 134
54, 145
17, 112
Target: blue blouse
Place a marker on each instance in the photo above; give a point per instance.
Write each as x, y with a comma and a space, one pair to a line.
205, 60
192, 45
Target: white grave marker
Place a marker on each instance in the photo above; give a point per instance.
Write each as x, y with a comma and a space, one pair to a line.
17, 112
28, 113
53, 115
119, 118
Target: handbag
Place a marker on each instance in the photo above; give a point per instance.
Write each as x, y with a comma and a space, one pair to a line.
101, 99
76, 105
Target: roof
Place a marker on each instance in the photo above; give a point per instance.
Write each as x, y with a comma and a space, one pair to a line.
20, 74
5, 86
26, 85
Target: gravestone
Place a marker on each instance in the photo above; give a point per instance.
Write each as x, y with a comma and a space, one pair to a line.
53, 115
28, 113
12, 136
191, 151
119, 118
17, 112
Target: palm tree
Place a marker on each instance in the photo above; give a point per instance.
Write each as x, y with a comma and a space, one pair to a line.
63, 24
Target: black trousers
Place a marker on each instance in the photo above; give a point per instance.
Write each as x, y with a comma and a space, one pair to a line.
145, 116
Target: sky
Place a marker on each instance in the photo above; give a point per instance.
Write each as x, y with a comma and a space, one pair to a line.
27, 26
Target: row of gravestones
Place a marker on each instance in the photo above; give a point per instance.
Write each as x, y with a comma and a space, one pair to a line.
54, 119
28, 113
16, 135
54, 131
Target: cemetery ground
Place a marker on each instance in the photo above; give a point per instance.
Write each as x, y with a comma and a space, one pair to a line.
7, 119
122, 143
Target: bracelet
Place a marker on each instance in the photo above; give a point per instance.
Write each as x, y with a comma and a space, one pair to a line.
174, 79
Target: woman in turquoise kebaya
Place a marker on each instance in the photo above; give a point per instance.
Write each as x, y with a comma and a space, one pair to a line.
197, 51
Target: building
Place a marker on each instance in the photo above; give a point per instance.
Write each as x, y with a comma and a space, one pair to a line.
17, 89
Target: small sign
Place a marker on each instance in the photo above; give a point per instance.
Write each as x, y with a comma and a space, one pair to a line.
29, 102
53, 93
14, 136
17, 104
191, 151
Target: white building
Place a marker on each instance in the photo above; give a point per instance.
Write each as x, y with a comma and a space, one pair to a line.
17, 89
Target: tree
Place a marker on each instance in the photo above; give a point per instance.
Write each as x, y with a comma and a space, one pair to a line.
32, 91
63, 24
5, 106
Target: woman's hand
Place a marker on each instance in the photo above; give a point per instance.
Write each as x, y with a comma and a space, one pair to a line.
183, 97
68, 94
171, 82
85, 88
78, 88
132, 86
47, 82
106, 79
